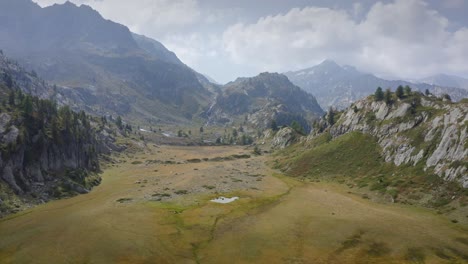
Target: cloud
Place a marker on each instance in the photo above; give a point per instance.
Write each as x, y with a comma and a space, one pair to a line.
195, 47
404, 38
275, 41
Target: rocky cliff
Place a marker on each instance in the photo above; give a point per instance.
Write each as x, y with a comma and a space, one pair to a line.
414, 131
47, 150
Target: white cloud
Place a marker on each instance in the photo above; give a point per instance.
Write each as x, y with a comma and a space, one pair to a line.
404, 38
194, 48
276, 41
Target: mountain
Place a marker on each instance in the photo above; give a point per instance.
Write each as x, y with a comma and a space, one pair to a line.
446, 80
412, 150
262, 99
339, 86
112, 70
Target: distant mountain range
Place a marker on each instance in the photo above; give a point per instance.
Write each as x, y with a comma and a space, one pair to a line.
446, 80
110, 69
339, 86
262, 99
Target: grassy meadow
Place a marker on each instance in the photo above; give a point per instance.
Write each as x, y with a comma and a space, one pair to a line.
154, 207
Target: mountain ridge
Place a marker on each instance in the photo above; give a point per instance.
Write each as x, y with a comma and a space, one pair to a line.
112, 70
262, 99
446, 80
339, 86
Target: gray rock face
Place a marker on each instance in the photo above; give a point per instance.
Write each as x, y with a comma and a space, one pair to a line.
283, 138
436, 133
4, 120
11, 136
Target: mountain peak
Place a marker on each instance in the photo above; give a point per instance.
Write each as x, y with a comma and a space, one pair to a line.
329, 62
68, 3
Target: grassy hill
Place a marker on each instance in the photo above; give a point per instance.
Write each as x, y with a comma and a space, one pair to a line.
355, 151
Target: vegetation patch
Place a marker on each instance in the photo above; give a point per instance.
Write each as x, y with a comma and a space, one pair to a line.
415, 255
352, 241
378, 249
462, 240
194, 160
124, 200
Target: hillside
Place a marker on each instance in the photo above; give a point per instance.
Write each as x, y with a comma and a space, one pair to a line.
110, 69
339, 86
262, 99
46, 152
411, 150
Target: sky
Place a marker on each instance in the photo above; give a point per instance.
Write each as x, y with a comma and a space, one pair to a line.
225, 39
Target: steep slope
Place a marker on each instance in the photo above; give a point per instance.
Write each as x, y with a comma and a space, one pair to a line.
112, 70
45, 152
412, 150
339, 86
416, 130
156, 49
262, 99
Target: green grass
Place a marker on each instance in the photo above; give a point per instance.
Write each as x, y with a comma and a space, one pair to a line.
350, 154
355, 159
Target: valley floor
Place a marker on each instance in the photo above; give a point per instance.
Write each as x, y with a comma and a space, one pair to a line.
154, 207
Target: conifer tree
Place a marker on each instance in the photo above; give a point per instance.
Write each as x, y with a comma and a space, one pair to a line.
379, 95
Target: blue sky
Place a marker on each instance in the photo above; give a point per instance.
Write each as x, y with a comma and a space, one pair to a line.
226, 39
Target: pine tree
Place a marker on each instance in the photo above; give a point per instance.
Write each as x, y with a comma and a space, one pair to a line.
118, 122
297, 127
27, 106
388, 96
331, 116
8, 80
11, 98
407, 90
379, 95
274, 126
234, 133
399, 92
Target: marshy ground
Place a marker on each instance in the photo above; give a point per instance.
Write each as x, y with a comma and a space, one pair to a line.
154, 207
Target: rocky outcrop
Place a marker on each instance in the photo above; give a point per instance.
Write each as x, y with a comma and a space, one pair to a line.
284, 138
414, 130
45, 152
